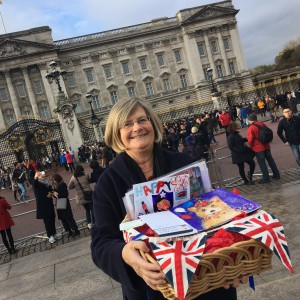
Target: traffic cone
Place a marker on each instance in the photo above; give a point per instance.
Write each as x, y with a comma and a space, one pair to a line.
236, 191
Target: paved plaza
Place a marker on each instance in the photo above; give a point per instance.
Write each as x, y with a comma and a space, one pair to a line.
65, 270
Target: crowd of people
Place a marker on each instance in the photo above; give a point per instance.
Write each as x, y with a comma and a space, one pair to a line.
138, 147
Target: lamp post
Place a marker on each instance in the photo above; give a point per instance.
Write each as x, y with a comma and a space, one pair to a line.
95, 121
215, 94
65, 108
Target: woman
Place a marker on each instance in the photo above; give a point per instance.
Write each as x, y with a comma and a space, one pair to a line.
44, 205
133, 131
240, 153
6, 222
97, 171
81, 181
60, 190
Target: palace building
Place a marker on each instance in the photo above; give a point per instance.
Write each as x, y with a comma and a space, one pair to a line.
163, 61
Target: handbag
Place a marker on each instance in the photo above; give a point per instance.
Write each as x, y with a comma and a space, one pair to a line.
87, 195
61, 203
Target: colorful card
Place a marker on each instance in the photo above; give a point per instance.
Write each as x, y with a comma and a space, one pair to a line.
213, 209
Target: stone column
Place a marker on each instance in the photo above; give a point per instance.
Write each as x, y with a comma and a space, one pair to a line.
31, 94
13, 96
2, 123
238, 50
223, 53
96, 132
209, 55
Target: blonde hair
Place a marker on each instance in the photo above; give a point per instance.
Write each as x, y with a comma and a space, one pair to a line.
118, 116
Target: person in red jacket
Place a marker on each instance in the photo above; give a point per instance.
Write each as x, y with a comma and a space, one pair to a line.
69, 158
225, 120
262, 151
6, 222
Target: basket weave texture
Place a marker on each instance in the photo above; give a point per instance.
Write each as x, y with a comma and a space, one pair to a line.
247, 258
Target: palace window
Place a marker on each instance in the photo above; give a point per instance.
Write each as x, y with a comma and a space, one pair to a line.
38, 86
167, 84
220, 71
149, 89
10, 117
71, 80
44, 111
201, 49
143, 63
226, 44
214, 46
231, 67
160, 59
3, 95
125, 67
78, 108
21, 90
131, 91
89, 76
107, 71
114, 97
177, 56
95, 102
183, 80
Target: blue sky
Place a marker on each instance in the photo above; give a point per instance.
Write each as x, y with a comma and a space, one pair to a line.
265, 26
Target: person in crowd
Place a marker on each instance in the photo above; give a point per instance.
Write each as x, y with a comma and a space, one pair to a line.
240, 153
106, 156
134, 131
44, 205
69, 159
173, 139
19, 177
225, 119
291, 103
54, 159
290, 126
97, 171
192, 149
80, 178
6, 222
210, 129
262, 151
73, 154
270, 104
262, 107
60, 190
63, 160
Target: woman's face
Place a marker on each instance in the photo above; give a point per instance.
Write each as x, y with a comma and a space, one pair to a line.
140, 136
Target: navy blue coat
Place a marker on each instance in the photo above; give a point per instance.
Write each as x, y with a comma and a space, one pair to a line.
107, 240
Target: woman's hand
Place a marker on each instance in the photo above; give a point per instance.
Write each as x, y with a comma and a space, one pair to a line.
151, 273
237, 282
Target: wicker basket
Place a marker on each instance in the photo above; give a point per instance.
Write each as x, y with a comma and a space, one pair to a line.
222, 266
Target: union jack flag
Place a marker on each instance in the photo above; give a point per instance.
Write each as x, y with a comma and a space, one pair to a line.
265, 228
179, 260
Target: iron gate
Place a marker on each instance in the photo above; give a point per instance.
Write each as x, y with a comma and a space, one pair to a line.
88, 133
30, 139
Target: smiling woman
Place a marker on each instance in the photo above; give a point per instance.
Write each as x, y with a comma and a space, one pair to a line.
134, 131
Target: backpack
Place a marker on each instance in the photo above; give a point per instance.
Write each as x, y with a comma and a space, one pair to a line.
265, 134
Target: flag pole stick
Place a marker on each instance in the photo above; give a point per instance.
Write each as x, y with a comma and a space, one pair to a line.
2, 22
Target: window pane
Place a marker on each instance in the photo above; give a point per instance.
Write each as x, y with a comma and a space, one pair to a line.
78, 108
107, 72
125, 67
201, 49
71, 80
3, 94
177, 56
38, 87
226, 44
114, 97
160, 59
131, 91
214, 47
44, 112
143, 63
149, 89
89, 76
96, 102
21, 90
10, 118
167, 85
231, 67
183, 80
220, 71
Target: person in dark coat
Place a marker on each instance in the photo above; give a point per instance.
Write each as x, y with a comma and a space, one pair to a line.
97, 171
6, 222
44, 205
60, 190
240, 153
133, 131
290, 126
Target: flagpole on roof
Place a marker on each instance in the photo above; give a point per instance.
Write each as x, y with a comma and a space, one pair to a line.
2, 18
